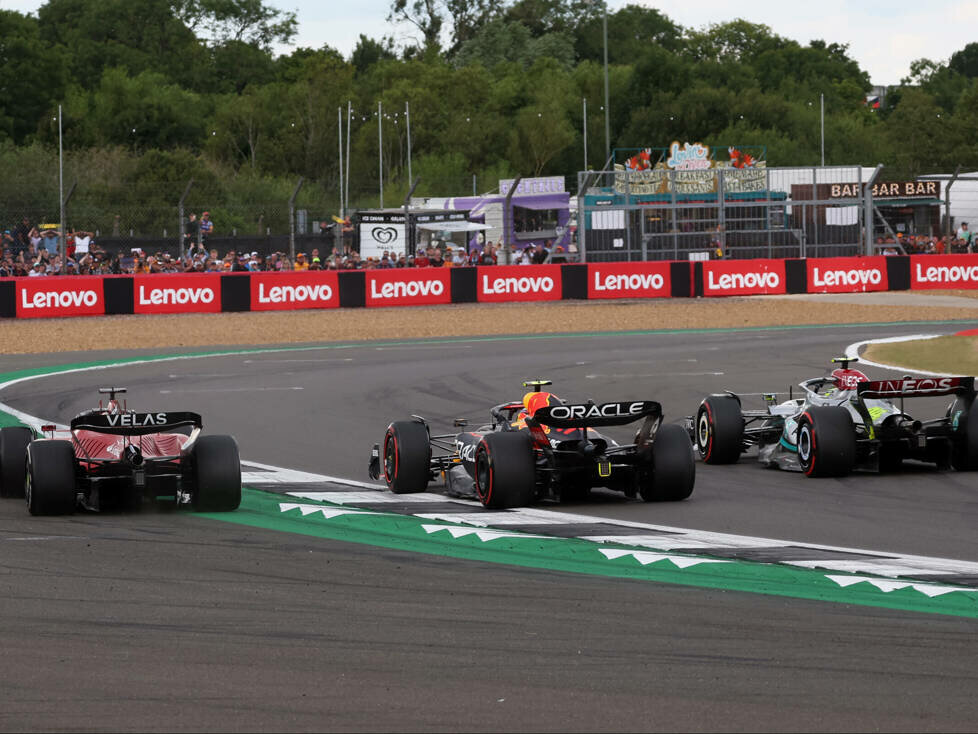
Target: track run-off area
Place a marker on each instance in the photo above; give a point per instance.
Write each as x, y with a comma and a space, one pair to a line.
766, 601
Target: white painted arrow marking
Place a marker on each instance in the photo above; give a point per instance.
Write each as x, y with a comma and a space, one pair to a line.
886, 585
328, 512
484, 535
645, 558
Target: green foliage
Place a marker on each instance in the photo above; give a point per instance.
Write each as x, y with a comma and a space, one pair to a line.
169, 90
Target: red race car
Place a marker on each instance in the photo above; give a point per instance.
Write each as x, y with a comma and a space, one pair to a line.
115, 458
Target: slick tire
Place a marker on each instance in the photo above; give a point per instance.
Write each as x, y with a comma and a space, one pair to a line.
217, 475
505, 470
13, 460
407, 457
964, 450
673, 471
826, 442
719, 430
50, 485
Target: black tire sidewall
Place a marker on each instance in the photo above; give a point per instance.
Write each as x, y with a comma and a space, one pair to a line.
217, 474
723, 420
673, 471
51, 473
511, 468
14, 441
832, 440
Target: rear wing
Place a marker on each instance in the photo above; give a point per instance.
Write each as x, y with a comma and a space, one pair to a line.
912, 387
135, 424
591, 415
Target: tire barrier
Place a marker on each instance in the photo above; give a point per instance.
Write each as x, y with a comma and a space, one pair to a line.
58, 296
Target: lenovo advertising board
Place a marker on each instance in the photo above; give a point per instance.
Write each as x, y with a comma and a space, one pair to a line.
191, 293
846, 274
743, 277
48, 296
287, 291
628, 280
408, 286
502, 283
929, 272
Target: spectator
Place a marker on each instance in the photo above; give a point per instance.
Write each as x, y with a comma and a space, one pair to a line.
558, 256
385, 261
191, 236
436, 259
540, 253
401, 261
460, 258
965, 235
475, 255
300, 262
421, 259
488, 256
83, 242
206, 226
50, 240
37, 270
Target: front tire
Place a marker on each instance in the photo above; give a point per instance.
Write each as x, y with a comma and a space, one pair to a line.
50, 485
13, 459
673, 472
217, 475
505, 470
407, 457
826, 442
720, 430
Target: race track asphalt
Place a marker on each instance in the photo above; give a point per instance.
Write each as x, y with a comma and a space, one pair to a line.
170, 621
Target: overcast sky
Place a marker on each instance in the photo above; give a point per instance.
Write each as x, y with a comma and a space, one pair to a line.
884, 36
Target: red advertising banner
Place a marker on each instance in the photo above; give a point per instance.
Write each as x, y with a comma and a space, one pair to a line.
847, 274
628, 280
288, 291
408, 286
743, 277
943, 271
191, 293
501, 283
51, 296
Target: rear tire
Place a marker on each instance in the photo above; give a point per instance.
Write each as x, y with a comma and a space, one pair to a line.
13, 460
964, 451
826, 442
50, 485
217, 474
673, 471
505, 471
720, 430
407, 457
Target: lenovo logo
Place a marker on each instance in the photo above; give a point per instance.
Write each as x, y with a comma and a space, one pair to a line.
742, 281
517, 285
174, 296
946, 274
58, 299
831, 278
294, 293
633, 282
407, 289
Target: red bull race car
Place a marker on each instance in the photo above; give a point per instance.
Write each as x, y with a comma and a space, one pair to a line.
115, 458
843, 422
540, 448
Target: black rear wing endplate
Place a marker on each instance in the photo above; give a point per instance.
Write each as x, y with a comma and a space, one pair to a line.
591, 415
914, 387
135, 424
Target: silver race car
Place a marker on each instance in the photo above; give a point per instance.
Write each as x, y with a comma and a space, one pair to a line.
842, 422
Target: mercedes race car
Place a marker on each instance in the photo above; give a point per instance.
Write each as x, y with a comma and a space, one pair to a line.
115, 458
843, 422
541, 448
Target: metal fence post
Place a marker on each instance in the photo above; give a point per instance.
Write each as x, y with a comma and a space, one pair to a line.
182, 229
947, 201
292, 219
868, 203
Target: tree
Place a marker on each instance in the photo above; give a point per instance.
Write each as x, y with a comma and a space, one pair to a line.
965, 61
31, 77
917, 130
632, 30
368, 52
247, 21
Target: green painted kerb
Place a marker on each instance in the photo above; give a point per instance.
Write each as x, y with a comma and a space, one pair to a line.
408, 533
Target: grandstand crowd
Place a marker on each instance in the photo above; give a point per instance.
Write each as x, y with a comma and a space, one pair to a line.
29, 251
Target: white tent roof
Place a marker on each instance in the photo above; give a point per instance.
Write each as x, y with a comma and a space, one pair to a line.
453, 226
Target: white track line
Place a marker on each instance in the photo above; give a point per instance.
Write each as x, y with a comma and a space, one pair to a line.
853, 351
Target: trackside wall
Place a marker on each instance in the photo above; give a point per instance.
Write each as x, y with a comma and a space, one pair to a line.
213, 293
